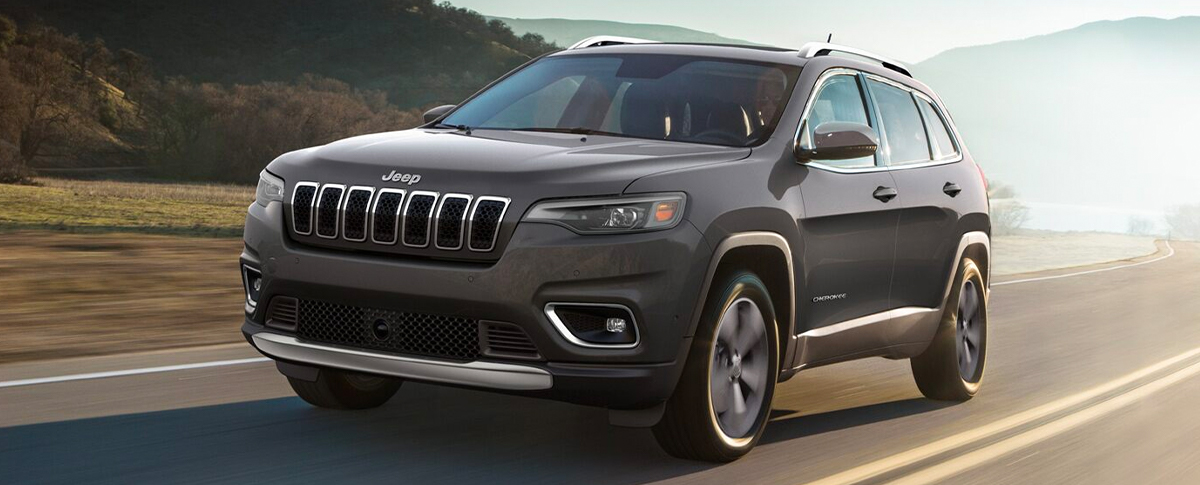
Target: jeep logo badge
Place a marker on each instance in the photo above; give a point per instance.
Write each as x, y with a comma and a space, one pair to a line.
408, 178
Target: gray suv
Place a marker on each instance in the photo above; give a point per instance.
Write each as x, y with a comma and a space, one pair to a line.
663, 230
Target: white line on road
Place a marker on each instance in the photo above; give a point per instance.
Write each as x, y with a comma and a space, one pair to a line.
130, 372
1101, 270
151, 370
912, 456
970, 460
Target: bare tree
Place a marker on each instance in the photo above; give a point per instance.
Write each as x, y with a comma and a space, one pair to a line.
1008, 215
8, 33
42, 104
1184, 221
1141, 226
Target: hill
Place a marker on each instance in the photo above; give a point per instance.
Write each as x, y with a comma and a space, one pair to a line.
418, 52
1101, 115
565, 32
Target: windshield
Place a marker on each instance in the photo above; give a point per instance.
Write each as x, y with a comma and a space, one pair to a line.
659, 97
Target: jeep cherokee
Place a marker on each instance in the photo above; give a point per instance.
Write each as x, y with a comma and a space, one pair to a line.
663, 230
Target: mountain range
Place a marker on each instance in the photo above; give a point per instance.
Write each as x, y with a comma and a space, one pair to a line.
565, 32
1102, 115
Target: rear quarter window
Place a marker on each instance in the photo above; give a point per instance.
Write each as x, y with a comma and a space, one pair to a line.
903, 128
943, 143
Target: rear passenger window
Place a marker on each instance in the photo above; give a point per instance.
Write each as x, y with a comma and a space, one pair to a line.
903, 129
943, 145
840, 99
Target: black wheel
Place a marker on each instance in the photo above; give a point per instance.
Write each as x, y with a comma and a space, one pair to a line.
339, 389
723, 400
951, 369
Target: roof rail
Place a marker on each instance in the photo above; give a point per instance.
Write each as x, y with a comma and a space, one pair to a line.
602, 40
817, 49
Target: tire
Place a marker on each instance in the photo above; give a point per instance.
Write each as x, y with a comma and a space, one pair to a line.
745, 367
951, 369
339, 389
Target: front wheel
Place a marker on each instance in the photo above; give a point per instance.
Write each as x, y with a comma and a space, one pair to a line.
951, 369
723, 400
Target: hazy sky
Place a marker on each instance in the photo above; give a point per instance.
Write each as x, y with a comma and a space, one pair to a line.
909, 31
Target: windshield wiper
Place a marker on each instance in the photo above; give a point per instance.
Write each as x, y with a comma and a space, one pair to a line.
572, 131
463, 128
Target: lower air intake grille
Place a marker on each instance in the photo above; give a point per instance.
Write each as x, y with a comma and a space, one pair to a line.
506, 340
282, 313
448, 337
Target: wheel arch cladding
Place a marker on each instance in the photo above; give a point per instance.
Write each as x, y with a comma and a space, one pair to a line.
771, 266
979, 254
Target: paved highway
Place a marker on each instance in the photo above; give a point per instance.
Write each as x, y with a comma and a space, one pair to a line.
1091, 378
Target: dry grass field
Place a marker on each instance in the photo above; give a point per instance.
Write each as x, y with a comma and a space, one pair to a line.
103, 206
67, 295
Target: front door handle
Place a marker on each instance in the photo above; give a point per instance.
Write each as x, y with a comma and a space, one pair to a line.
885, 194
952, 189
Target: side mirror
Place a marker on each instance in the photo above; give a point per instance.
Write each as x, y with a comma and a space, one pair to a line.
435, 113
837, 140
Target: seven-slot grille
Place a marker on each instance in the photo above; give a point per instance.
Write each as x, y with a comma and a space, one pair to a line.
393, 216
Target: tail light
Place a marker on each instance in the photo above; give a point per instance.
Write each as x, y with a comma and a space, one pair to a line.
982, 176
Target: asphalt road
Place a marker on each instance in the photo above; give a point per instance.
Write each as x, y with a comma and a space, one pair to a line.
1063, 402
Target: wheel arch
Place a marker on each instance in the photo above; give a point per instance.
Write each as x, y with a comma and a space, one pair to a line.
768, 255
976, 245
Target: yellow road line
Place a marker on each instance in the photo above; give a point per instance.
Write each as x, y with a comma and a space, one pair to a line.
957, 465
905, 458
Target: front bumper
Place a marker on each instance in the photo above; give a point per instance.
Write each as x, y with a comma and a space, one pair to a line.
656, 275
492, 375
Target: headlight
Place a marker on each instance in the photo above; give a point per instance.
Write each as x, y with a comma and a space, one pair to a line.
270, 188
614, 215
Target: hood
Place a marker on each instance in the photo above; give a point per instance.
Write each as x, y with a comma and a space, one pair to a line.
508, 163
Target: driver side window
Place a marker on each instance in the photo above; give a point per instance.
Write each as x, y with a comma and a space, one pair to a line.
839, 99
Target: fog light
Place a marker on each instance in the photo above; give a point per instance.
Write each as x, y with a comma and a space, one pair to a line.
614, 325
252, 280
597, 325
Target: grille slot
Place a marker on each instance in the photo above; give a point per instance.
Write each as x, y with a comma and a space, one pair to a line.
485, 222
451, 215
354, 213
506, 340
386, 216
328, 209
283, 313
304, 194
448, 337
417, 216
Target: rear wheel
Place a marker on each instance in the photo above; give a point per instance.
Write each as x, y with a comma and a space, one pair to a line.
339, 389
951, 368
723, 400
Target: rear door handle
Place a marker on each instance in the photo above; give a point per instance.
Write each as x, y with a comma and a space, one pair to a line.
885, 194
952, 189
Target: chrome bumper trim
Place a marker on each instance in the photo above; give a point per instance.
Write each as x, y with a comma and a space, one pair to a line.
481, 374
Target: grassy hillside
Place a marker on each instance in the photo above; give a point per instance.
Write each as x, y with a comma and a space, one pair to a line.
1100, 115
417, 51
565, 32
